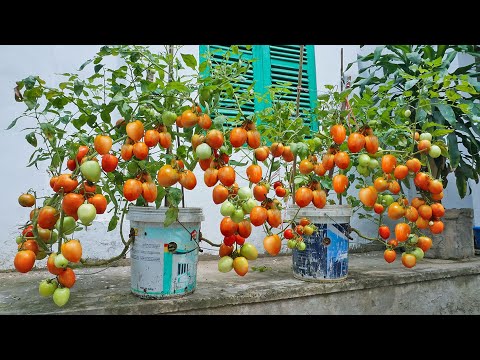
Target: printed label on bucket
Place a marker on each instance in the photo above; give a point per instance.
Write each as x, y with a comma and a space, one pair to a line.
326, 254
164, 261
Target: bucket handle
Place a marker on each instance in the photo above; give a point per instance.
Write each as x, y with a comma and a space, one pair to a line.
346, 232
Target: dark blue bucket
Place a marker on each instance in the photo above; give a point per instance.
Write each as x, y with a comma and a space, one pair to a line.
326, 255
476, 235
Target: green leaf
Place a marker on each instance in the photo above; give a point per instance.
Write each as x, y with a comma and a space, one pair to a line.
170, 216
160, 195
453, 150
32, 139
461, 182
237, 163
414, 57
442, 132
105, 115
174, 196
13, 123
203, 66
420, 115
190, 60
85, 64
429, 125
175, 85
97, 68
113, 223
447, 113
410, 83
77, 87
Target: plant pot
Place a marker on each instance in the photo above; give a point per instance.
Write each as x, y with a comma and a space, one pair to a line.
164, 260
326, 255
456, 241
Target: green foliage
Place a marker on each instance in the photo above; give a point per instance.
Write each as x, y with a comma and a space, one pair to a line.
441, 99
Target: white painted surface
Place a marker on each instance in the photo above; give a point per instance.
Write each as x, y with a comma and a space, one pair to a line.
19, 62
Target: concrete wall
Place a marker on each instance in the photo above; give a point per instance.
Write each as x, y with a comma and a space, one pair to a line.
45, 61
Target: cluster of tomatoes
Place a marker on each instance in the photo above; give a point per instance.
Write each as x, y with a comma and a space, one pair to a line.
423, 212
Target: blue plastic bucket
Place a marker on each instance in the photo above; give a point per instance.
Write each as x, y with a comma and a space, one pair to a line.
164, 260
476, 235
326, 255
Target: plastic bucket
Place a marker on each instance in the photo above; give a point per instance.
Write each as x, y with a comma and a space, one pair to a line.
326, 255
164, 260
476, 235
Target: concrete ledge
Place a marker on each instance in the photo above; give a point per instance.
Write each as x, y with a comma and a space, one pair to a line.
373, 287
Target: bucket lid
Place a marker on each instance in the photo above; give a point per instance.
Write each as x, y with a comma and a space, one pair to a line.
151, 214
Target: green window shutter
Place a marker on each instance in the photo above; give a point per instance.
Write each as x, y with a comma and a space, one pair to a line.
283, 62
274, 64
227, 106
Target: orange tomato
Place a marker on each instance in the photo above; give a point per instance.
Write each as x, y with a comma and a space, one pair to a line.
437, 197
226, 175
24, 261
214, 139
339, 133
258, 215
402, 230
219, 194
47, 217
205, 164
437, 210
395, 211
389, 255
328, 161
437, 227
319, 169
126, 152
422, 181
204, 121
262, 153
225, 250
167, 176
388, 163
189, 119
305, 166
421, 223
417, 202
253, 138
378, 208
254, 173
340, 183
109, 162
132, 189
408, 260
414, 165
244, 228
187, 179
149, 191
384, 231
356, 142
411, 214
210, 177
435, 187
401, 172
394, 187
287, 154
67, 278
424, 243
151, 138
165, 139
380, 184
425, 211
371, 144
277, 149
272, 244
368, 196
228, 227
71, 202
100, 203
341, 159
260, 192
424, 145
135, 130
72, 250
238, 137
319, 198
102, 144
140, 150
303, 196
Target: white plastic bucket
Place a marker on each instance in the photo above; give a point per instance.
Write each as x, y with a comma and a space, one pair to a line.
326, 255
164, 260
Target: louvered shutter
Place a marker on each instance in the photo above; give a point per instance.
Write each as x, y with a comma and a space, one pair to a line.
227, 106
283, 62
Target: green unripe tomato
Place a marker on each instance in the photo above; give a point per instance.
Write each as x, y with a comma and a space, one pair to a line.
61, 296
238, 215
418, 253
168, 118
203, 151
301, 245
373, 164
91, 170
227, 208
47, 287
435, 151
407, 113
245, 193
225, 264
60, 261
426, 136
291, 244
364, 160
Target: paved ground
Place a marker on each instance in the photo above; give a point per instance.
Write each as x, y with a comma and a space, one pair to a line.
108, 291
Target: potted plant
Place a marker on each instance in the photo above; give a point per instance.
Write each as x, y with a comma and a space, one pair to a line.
442, 100
122, 166
368, 142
